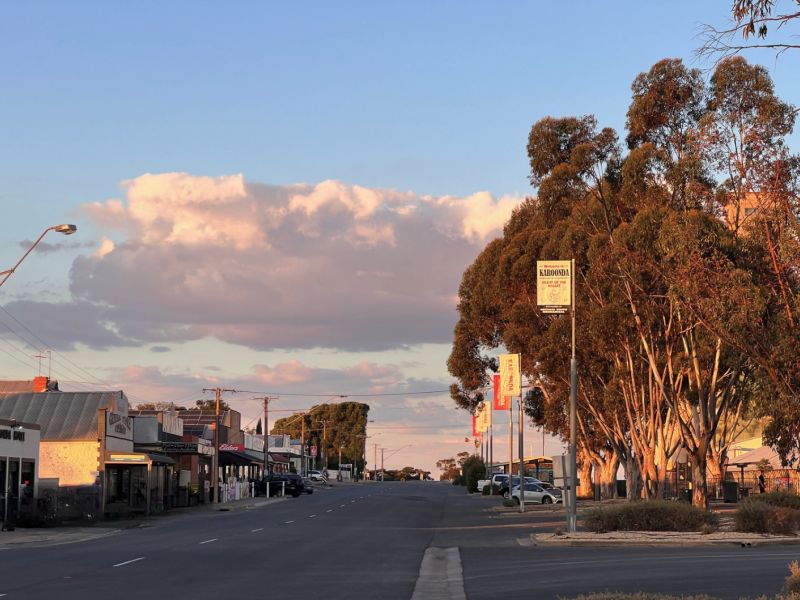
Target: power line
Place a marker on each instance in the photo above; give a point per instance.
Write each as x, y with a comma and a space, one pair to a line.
376, 395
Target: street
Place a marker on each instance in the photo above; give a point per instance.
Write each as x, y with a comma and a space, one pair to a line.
368, 541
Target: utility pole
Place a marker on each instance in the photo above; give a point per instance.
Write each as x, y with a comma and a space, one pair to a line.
215, 458
324, 452
266, 432
382, 471
375, 463
303, 443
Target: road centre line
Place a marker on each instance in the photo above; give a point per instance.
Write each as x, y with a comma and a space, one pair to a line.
255, 530
329, 510
287, 522
341, 506
209, 541
311, 516
127, 562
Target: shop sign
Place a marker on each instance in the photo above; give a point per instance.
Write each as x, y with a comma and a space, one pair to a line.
232, 447
16, 435
179, 447
119, 426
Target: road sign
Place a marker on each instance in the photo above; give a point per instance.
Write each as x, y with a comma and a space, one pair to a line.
313, 451
554, 286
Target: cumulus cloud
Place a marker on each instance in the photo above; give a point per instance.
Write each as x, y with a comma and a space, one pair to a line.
296, 266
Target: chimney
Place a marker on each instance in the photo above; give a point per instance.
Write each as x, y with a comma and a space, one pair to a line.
40, 384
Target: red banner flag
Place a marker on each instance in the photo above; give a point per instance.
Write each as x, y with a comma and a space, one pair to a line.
474, 425
500, 402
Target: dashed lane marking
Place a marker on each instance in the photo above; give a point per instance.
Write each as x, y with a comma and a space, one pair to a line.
287, 522
311, 516
329, 510
127, 562
255, 530
209, 541
341, 506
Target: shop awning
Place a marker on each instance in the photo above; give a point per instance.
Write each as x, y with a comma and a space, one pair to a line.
278, 458
233, 457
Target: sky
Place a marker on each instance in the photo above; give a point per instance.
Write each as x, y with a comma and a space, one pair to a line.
282, 197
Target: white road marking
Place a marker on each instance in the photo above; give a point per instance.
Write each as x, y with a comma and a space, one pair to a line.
127, 562
311, 516
287, 522
209, 541
329, 510
440, 575
254, 530
341, 506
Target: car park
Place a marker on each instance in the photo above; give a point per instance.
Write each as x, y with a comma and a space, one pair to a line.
536, 494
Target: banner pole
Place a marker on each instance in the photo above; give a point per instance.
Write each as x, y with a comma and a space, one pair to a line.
573, 421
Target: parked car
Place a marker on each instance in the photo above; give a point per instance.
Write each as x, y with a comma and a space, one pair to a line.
290, 483
503, 487
308, 485
535, 493
316, 476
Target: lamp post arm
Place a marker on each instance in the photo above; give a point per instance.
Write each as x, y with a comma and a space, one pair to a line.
10, 271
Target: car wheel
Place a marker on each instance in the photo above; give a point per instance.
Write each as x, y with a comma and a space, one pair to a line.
505, 495
295, 494
547, 500
516, 501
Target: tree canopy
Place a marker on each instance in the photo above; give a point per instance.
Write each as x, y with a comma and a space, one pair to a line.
330, 427
685, 321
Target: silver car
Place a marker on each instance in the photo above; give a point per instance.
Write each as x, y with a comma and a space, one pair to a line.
536, 494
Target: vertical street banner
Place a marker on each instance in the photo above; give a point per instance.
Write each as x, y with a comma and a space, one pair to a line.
474, 425
484, 417
500, 402
554, 286
510, 384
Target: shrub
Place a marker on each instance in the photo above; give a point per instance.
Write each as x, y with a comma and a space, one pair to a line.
757, 516
792, 584
651, 515
782, 498
474, 470
509, 503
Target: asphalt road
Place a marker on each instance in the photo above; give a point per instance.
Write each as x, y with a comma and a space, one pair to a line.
368, 541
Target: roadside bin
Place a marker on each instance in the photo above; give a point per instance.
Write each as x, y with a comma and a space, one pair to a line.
730, 491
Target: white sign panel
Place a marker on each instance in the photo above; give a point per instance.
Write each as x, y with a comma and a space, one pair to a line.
119, 426
554, 286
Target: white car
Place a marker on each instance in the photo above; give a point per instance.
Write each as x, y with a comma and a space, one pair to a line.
536, 494
316, 476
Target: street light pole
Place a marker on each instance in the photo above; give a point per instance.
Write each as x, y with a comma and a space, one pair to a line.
66, 229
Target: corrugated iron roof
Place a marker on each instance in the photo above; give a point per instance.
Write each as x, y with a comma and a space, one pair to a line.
61, 415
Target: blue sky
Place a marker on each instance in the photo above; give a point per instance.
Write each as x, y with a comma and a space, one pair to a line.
430, 98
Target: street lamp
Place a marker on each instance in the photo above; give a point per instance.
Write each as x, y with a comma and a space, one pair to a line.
64, 228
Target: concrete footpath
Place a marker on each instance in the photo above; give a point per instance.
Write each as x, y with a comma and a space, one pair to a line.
70, 534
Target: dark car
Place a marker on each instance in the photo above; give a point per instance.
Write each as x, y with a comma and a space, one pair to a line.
288, 483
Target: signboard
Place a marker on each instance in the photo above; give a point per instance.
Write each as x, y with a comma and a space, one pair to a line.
231, 447
554, 286
313, 451
500, 402
119, 426
510, 376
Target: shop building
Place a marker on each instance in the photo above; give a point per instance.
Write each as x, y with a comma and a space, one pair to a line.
19, 468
